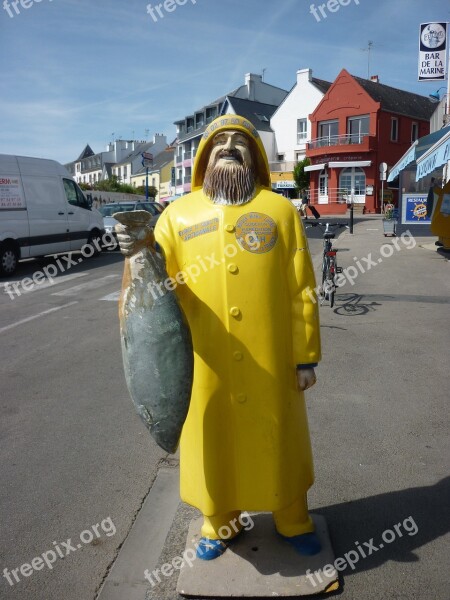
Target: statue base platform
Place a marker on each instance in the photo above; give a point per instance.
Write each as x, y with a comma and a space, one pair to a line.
260, 564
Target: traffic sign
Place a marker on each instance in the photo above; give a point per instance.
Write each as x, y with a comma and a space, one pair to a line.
147, 159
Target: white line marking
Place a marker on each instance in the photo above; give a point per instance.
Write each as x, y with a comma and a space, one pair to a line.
372, 229
41, 314
40, 286
114, 297
89, 285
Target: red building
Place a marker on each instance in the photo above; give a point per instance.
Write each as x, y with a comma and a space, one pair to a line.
358, 125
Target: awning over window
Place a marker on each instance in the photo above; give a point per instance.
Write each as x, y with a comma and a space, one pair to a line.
315, 167
416, 151
350, 163
435, 157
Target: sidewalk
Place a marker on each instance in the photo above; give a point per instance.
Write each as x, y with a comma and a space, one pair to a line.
378, 421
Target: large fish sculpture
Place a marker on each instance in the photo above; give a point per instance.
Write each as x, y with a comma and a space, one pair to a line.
156, 342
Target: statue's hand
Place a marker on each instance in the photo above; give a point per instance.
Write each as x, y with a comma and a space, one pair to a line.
306, 378
133, 239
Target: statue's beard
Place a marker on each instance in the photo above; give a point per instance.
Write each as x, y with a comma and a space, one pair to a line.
233, 184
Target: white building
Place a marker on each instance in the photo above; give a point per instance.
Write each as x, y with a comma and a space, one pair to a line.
91, 167
290, 121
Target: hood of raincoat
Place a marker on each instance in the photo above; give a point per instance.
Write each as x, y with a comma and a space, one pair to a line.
231, 123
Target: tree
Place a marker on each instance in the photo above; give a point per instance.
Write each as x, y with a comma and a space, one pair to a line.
113, 185
301, 177
152, 191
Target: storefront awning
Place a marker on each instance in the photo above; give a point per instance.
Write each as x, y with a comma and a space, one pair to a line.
315, 167
417, 150
350, 163
406, 159
436, 156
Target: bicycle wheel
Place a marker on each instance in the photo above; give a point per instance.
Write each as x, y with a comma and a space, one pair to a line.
332, 265
325, 271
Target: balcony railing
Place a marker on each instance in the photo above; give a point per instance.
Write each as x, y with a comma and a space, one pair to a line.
337, 140
187, 179
187, 154
335, 195
179, 181
179, 158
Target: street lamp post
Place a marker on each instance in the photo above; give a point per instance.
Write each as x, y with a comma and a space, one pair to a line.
147, 161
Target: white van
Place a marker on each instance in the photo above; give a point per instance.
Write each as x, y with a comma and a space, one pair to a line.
42, 211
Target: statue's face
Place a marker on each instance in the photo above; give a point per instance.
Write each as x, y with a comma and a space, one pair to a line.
230, 148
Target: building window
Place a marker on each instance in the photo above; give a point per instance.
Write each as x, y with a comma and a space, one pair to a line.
352, 182
302, 130
357, 129
280, 157
154, 181
414, 132
394, 129
211, 113
125, 172
299, 156
199, 120
323, 183
328, 133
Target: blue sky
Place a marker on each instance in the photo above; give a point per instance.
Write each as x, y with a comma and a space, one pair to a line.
77, 71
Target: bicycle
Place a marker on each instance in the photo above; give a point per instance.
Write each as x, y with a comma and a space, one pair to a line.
329, 261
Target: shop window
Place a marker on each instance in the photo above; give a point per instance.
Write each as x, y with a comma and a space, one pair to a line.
352, 181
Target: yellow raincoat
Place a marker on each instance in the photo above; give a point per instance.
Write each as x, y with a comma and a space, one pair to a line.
245, 444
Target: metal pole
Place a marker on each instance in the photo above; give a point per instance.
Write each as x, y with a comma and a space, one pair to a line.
382, 196
146, 183
351, 217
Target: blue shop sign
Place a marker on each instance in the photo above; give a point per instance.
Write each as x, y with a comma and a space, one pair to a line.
415, 209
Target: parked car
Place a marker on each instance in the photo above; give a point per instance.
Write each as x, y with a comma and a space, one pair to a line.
42, 211
108, 210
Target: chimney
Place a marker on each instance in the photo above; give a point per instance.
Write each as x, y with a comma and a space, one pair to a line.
375, 79
304, 74
250, 82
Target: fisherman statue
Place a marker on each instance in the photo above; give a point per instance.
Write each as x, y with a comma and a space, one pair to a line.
238, 261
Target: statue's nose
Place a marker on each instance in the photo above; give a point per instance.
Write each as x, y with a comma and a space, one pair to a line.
230, 144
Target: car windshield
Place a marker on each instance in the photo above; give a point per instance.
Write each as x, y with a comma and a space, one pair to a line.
110, 209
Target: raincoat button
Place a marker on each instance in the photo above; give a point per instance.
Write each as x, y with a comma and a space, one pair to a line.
233, 268
229, 227
241, 398
234, 311
238, 355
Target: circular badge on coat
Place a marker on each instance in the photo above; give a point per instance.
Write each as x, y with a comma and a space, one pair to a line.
256, 232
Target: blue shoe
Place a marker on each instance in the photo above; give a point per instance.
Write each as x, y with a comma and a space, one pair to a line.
210, 549
306, 544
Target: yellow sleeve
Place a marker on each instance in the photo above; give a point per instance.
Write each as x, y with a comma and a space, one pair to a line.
305, 307
164, 239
